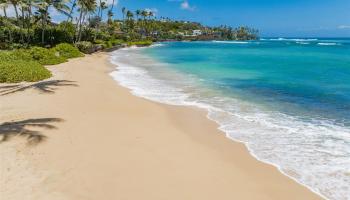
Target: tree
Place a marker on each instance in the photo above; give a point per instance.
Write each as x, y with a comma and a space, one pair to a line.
43, 12
85, 7
138, 13
144, 14
98, 18
3, 5
110, 13
124, 12
15, 4
129, 15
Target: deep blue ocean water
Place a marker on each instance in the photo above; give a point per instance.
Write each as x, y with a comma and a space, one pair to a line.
288, 100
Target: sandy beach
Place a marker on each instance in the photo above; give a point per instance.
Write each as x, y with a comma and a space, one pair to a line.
81, 136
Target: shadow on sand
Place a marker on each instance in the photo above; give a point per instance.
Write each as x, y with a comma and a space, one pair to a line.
22, 128
43, 86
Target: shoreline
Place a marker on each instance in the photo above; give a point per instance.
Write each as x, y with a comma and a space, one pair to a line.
175, 153
206, 109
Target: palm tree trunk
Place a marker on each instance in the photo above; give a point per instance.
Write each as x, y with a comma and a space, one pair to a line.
99, 9
43, 23
112, 6
43, 31
22, 25
78, 27
98, 23
70, 18
5, 13
71, 11
29, 20
16, 11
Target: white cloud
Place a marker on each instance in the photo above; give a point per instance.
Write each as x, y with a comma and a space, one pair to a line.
153, 10
109, 2
184, 5
344, 27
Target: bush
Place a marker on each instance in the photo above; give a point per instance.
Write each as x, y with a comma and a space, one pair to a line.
67, 51
88, 47
101, 43
46, 56
109, 43
140, 43
11, 56
20, 70
116, 42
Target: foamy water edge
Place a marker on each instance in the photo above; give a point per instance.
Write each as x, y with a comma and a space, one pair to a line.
182, 102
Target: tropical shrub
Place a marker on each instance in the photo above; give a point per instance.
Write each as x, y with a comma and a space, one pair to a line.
88, 47
14, 55
140, 43
67, 51
46, 56
116, 42
84, 46
13, 72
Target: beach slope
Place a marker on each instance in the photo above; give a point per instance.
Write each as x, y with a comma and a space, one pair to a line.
81, 136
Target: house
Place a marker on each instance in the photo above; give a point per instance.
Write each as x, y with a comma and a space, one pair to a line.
196, 32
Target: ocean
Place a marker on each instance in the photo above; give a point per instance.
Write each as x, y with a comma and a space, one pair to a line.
287, 99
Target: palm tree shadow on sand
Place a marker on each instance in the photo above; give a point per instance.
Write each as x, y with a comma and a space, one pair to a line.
43, 86
9, 130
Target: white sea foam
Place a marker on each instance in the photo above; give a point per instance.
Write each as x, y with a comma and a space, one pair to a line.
231, 42
158, 45
302, 42
292, 39
328, 43
315, 154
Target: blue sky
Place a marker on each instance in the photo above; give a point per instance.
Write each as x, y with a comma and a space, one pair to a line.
274, 18
277, 18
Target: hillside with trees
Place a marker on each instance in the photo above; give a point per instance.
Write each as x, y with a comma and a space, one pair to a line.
32, 38
32, 24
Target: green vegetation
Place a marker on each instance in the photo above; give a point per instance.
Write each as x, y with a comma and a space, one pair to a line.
31, 39
140, 43
67, 51
27, 64
46, 56
13, 72
88, 47
33, 25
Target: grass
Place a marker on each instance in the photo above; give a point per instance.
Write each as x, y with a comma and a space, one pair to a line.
28, 64
20, 70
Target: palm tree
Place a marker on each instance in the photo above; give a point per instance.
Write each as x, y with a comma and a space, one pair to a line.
129, 15
138, 13
144, 14
150, 14
103, 6
110, 13
27, 8
71, 10
3, 5
86, 6
124, 12
43, 11
15, 4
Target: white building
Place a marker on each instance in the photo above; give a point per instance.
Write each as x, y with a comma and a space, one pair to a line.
196, 32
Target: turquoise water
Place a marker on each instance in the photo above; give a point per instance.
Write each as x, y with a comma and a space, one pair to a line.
283, 75
288, 100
